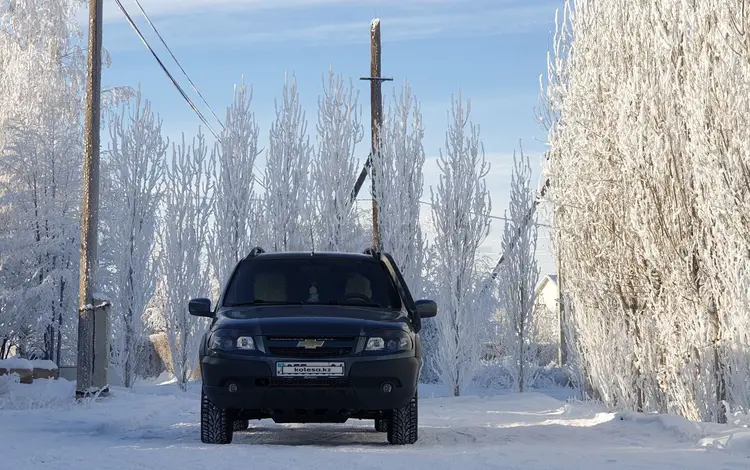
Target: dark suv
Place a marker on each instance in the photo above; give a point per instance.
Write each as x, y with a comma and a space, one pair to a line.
312, 338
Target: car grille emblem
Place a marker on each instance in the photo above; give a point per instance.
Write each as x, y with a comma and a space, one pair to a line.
310, 344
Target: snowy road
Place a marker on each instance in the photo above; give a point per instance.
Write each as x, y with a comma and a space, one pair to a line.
157, 428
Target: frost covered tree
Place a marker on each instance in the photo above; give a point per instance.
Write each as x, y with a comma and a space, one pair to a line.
287, 203
335, 167
39, 244
136, 164
460, 208
185, 230
649, 190
398, 181
518, 277
39, 39
40, 154
236, 225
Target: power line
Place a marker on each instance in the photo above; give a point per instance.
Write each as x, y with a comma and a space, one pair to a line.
490, 216
496, 270
164, 68
137, 2
172, 79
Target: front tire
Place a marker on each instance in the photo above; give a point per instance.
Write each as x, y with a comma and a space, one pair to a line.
403, 424
217, 426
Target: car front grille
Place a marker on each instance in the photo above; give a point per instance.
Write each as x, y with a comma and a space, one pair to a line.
319, 338
302, 352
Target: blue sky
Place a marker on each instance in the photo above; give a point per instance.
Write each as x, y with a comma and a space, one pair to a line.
494, 51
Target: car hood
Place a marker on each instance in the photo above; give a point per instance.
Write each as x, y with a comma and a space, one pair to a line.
305, 320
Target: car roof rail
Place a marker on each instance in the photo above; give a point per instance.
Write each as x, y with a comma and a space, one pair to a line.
372, 251
255, 252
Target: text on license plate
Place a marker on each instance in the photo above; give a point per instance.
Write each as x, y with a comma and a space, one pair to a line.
309, 369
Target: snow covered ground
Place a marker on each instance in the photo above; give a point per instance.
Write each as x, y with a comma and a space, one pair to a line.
156, 427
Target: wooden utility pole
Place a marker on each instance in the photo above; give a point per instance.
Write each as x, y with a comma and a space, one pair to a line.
90, 209
376, 112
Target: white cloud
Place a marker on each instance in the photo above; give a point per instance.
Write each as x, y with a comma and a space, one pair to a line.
396, 29
240, 22
157, 8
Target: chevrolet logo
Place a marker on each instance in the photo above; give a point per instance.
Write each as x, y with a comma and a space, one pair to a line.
310, 344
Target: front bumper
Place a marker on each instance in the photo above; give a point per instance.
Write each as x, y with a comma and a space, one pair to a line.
360, 389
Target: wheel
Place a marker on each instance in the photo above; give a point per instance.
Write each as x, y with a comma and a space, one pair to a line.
216, 423
241, 424
403, 424
381, 425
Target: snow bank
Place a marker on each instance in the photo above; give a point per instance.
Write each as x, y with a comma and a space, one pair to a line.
44, 364
741, 419
733, 440
16, 363
678, 425
165, 378
496, 374
728, 437
42, 393
443, 391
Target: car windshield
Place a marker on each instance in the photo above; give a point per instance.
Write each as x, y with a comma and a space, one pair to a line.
312, 280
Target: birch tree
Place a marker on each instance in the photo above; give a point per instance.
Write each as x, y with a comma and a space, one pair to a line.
185, 231
460, 208
519, 276
136, 163
335, 167
287, 203
397, 166
237, 225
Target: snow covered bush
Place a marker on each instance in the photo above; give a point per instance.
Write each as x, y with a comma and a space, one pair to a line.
41, 394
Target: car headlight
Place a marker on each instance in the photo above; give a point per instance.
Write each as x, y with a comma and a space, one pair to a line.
390, 341
231, 340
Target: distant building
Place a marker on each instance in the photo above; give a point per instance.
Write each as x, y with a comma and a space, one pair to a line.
547, 294
546, 322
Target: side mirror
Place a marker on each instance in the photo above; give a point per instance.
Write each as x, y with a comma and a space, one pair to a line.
200, 308
426, 308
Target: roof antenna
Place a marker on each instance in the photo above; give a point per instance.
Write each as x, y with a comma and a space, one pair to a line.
312, 240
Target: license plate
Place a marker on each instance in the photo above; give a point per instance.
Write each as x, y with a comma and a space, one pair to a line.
309, 369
